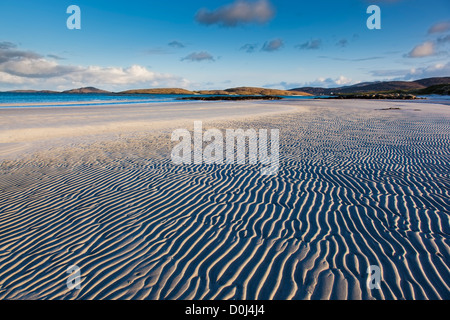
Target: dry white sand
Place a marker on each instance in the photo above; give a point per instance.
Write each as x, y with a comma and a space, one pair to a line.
25, 130
358, 186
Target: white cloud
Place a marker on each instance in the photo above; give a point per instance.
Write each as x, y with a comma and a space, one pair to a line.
342, 81
434, 70
330, 82
425, 49
121, 76
283, 85
8, 79
32, 70
36, 68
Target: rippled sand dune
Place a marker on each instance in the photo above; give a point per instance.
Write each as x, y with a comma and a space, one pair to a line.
358, 186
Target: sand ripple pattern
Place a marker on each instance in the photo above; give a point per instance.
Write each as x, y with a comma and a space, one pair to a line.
355, 189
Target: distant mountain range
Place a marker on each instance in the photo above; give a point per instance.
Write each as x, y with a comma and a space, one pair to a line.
177, 91
77, 91
424, 86
242, 91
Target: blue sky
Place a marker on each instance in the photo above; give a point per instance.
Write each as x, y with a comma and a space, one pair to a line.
217, 44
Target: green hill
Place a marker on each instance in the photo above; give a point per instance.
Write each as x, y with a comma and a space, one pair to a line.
159, 91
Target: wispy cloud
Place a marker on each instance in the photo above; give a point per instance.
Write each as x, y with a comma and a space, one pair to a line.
319, 82
283, 85
5, 45
158, 51
433, 70
273, 45
383, 1
176, 44
440, 27
310, 45
351, 59
199, 57
432, 47
56, 57
237, 13
342, 43
8, 52
166, 50
249, 47
389, 73
443, 40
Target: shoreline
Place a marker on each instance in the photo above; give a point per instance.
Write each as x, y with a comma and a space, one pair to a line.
434, 99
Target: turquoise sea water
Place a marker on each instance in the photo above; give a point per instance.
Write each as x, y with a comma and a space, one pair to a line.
84, 99
21, 100
53, 100
437, 99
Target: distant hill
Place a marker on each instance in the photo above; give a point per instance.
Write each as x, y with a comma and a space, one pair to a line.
433, 81
158, 91
86, 90
248, 91
230, 98
371, 87
442, 89
214, 92
423, 86
33, 91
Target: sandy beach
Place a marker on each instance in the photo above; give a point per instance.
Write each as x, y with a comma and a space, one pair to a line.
25, 130
361, 183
